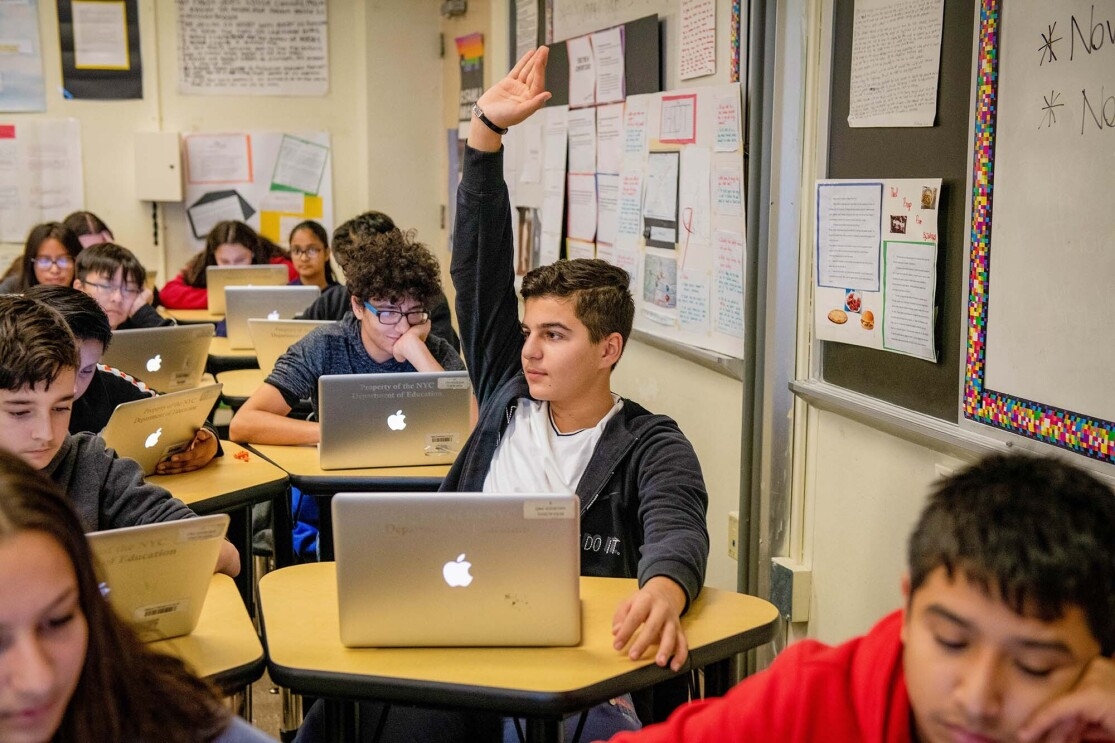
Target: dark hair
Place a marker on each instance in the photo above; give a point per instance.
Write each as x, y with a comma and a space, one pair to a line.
1033, 532
323, 237
87, 223
356, 231
234, 232
125, 691
392, 266
600, 291
36, 345
39, 234
107, 258
87, 321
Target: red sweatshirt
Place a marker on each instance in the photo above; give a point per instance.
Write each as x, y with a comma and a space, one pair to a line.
178, 295
811, 693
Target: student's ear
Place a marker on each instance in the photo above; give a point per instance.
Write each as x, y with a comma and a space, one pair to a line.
611, 348
357, 307
77, 284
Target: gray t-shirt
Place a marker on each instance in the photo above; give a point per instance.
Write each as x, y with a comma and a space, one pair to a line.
338, 349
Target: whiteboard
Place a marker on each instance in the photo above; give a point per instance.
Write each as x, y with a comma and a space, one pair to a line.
578, 17
1040, 339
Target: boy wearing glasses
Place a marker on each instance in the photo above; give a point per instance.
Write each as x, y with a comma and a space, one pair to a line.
112, 275
392, 280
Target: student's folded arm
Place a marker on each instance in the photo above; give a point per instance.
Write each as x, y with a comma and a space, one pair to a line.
228, 560
126, 499
263, 420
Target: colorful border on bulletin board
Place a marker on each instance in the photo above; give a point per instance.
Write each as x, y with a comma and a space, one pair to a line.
1082, 434
736, 20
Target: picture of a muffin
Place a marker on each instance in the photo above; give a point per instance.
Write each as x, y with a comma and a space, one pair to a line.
839, 317
867, 320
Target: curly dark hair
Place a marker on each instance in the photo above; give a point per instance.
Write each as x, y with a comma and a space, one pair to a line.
356, 231
391, 267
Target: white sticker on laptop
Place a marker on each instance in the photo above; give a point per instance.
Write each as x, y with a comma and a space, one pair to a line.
442, 443
549, 509
156, 612
453, 383
200, 532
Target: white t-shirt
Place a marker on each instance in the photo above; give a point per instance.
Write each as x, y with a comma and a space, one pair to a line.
532, 457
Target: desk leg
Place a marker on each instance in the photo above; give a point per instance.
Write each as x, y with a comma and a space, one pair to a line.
325, 527
282, 527
240, 534
718, 678
544, 730
340, 718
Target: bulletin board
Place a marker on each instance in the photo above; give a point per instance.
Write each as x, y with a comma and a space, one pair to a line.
1040, 341
270, 180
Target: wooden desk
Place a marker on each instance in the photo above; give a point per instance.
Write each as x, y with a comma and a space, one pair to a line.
239, 384
231, 484
299, 614
190, 317
223, 358
301, 465
224, 647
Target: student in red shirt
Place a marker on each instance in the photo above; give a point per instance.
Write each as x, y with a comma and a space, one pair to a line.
1007, 633
229, 243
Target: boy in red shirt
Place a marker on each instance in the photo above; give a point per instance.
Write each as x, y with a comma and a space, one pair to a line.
1007, 633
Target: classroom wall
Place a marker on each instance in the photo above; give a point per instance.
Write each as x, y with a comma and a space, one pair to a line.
381, 110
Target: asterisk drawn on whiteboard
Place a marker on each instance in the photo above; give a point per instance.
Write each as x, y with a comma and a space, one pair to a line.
1046, 48
1049, 115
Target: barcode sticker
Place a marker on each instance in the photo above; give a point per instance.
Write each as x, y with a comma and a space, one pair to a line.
161, 611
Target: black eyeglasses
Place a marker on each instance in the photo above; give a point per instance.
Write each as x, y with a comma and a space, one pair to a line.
310, 252
107, 290
43, 263
392, 317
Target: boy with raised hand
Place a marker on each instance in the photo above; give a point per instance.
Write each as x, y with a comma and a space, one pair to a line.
549, 421
1007, 633
38, 371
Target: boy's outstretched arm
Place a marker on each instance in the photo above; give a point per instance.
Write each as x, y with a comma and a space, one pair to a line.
1086, 713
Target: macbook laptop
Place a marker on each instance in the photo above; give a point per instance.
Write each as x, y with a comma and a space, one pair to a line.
270, 302
271, 338
150, 429
156, 575
166, 359
392, 420
218, 277
457, 569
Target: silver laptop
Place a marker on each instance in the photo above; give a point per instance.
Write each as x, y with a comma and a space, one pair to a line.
166, 359
457, 569
270, 302
151, 429
157, 575
271, 338
392, 420
218, 277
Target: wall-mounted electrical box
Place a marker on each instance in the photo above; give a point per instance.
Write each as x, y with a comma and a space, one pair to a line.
158, 160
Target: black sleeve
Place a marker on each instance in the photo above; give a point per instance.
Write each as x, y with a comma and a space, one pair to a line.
441, 321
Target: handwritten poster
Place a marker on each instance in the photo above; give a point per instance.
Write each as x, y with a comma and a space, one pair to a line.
697, 39
896, 54
876, 264
40, 174
252, 47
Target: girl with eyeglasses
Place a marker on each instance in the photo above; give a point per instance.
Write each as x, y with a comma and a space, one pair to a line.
309, 250
48, 258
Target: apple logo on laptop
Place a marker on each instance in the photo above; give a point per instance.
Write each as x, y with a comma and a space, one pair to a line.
153, 438
397, 421
273, 315
456, 572
155, 363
